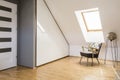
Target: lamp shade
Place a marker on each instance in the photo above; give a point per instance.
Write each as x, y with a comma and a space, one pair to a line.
111, 36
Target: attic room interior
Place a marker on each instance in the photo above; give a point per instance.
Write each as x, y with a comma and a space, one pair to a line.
59, 40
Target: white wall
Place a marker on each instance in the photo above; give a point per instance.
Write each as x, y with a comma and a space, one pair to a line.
51, 44
63, 11
76, 49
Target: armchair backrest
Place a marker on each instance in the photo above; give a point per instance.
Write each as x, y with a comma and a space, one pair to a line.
100, 45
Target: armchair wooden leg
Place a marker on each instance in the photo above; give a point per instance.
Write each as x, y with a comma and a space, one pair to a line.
98, 61
81, 59
87, 61
92, 61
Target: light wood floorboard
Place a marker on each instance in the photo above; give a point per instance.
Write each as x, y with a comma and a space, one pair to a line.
65, 69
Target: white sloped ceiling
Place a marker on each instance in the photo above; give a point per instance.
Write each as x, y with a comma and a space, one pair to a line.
63, 11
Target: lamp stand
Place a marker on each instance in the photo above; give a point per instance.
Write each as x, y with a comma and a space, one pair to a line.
113, 47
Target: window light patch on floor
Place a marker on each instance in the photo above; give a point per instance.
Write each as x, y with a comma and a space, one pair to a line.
90, 23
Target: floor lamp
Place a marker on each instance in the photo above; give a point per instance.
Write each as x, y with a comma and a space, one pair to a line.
111, 44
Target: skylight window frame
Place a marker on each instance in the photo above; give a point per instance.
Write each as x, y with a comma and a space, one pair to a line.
89, 30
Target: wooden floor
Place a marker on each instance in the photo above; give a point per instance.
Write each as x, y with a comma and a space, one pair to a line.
65, 69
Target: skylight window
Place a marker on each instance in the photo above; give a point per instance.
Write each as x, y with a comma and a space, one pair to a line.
92, 20
90, 24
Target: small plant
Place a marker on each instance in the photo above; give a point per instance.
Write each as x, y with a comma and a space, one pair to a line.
92, 47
